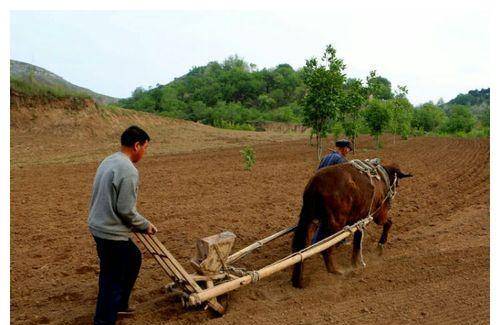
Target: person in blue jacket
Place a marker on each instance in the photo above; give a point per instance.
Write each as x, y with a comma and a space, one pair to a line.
335, 157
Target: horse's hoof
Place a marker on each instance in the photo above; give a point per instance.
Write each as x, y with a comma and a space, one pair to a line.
380, 249
298, 284
335, 272
363, 264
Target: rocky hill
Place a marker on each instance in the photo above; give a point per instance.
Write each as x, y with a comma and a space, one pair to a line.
34, 76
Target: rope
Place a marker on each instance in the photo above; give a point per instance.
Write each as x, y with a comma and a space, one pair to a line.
241, 271
391, 193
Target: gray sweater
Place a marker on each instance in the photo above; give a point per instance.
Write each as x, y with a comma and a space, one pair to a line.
112, 211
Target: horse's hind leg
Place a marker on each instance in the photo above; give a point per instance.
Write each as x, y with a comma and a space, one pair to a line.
357, 253
330, 229
298, 269
383, 237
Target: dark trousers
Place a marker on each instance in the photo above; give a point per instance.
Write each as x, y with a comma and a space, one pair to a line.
120, 262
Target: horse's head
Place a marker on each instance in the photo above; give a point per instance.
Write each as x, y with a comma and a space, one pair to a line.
393, 171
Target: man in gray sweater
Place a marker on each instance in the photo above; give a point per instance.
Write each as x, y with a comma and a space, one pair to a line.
112, 217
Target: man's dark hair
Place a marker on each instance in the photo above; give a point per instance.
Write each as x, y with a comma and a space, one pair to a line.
132, 135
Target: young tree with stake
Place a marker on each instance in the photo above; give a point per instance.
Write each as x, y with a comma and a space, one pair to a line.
324, 83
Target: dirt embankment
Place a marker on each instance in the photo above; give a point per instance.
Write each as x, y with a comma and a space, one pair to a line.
73, 130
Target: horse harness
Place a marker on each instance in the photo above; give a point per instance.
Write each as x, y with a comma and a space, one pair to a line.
373, 169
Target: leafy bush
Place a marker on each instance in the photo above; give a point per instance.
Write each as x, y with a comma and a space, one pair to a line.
428, 117
460, 120
233, 126
377, 118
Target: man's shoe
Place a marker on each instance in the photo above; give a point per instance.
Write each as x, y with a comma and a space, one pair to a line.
127, 312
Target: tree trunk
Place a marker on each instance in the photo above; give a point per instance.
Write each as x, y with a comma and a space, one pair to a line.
318, 149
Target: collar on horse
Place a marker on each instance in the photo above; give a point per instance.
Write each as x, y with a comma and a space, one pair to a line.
373, 169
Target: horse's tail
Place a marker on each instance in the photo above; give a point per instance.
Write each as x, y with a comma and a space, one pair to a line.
300, 233
299, 241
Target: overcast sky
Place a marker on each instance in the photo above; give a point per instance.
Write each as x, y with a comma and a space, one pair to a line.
436, 52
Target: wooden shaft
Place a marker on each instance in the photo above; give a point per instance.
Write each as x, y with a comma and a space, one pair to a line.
197, 298
245, 251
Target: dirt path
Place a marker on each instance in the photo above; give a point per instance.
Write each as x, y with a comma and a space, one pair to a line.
435, 269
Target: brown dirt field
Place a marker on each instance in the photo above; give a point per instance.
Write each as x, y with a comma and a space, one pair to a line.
435, 269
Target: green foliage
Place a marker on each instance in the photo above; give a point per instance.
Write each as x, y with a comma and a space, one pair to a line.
377, 118
401, 115
248, 155
378, 87
198, 95
324, 82
32, 88
336, 130
234, 94
428, 117
472, 98
233, 126
291, 113
460, 119
354, 98
484, 117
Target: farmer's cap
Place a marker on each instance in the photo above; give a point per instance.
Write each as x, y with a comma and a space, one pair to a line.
343, 143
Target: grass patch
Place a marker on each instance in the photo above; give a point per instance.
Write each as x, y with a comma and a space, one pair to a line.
32, 88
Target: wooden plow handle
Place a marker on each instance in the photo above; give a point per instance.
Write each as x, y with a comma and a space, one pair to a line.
173, 268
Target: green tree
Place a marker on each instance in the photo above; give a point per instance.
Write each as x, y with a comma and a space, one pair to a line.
324, 82
378, 87
353, 101
401, 113
460, 119
428, 117
377, 118
484, 117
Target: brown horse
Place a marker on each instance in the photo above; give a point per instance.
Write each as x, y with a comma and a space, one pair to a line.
337, 196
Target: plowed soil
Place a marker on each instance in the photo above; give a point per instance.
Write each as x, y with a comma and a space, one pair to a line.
435, 268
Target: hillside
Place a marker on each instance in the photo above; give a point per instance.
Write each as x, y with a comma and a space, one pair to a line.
33, 76
472, 98
232, 93
41, 126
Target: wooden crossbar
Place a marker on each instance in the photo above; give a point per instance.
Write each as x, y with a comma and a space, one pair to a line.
247, 250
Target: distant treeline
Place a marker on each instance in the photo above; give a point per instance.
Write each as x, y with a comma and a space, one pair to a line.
232, 92
235, 94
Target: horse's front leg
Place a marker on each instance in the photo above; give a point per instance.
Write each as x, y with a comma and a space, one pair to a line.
383, 238
357, 253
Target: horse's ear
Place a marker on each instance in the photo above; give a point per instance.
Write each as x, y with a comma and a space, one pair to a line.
403, 175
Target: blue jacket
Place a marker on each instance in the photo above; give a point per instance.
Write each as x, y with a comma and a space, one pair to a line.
332, 158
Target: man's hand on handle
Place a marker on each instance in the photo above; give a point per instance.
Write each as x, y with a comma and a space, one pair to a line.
151, 229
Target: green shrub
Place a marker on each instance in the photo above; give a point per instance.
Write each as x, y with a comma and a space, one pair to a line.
248, 155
